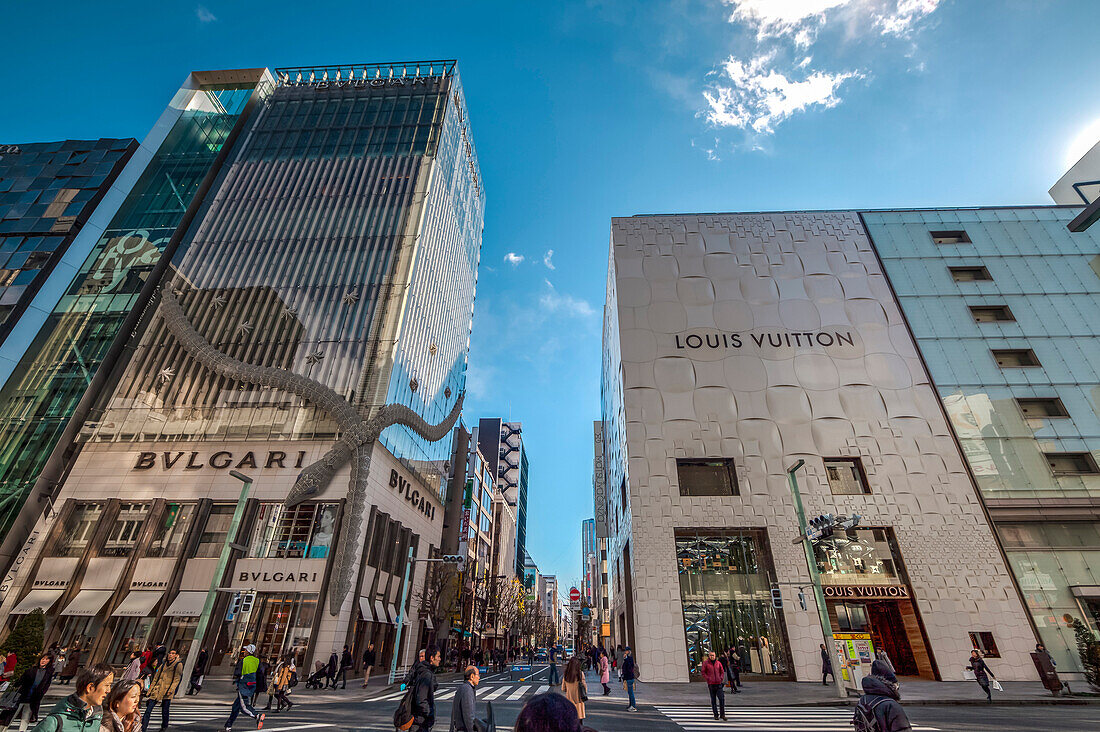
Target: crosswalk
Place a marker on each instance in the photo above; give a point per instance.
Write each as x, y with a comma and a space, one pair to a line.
494, 692
214, 715
765, 719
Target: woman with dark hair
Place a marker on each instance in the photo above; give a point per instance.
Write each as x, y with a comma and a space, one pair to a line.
77, 712
120, 711
32, 687
549, 712
574, 686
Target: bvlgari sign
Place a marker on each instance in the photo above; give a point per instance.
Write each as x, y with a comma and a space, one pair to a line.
412, 495
220, 460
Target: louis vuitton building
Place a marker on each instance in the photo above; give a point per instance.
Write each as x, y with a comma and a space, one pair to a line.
294, 304
736, 345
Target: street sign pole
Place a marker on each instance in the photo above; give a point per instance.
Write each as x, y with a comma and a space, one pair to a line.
401, 617
815, 580
223, 562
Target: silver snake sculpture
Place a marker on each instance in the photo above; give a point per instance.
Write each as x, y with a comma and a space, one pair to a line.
355, 444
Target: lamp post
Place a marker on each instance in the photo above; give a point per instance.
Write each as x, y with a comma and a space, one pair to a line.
223, 561
815, 579
446, 559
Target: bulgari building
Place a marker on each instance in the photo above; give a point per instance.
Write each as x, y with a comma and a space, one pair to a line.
736, 345
329, 273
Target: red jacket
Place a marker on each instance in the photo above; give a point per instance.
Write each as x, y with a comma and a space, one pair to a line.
713, 673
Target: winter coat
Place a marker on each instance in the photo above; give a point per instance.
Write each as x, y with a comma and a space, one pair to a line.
605, 670
281, 679
72, 664
70, 715
713, 673
333, 664
422, 680
246, 676
368, 658
113, 723
166, 680
132, 673
462, 710
28, 692
883, 701
826, 663
346, 660
981, 671
572, 691
628, 668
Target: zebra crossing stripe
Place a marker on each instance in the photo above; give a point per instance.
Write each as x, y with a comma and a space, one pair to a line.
519, 692
446, 695
495, 693
543, 689
804, 719
386, 697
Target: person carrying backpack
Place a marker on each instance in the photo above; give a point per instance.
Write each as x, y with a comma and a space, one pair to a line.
416, 710
879, 710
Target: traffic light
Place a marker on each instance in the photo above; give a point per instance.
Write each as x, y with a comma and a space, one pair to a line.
822, 526
849, 522
456, 559
777, 598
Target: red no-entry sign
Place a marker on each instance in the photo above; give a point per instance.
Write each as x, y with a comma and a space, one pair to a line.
574, 595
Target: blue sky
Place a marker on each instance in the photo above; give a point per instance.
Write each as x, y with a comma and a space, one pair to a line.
586, 110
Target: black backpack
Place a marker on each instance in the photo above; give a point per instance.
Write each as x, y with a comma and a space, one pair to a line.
403, 715
864, 719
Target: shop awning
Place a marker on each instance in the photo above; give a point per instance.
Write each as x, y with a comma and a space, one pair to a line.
188, 604
428, 620
380, 612
88, 602
37, 599
365, 610
138, 604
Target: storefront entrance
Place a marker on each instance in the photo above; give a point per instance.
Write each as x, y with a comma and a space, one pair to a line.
885, 621
276, 622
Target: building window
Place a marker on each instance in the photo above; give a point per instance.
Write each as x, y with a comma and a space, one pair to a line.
1015, 358
622, 496
171, 530
970, 274
217, 528
304, 531
851, 617
126, 530
950, 237
846, 476
860, 557
706, 477
991, 313
1071, 463
1039, 408
983, 642
77, 530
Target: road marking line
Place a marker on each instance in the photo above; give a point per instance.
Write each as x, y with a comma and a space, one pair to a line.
447, 694
495, 693
542, 689
518, 693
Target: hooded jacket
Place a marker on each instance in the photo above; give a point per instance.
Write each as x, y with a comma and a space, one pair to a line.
882, 699
70, 715
423, 683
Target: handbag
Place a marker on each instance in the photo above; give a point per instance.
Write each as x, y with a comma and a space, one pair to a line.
997, 685
582, 689
968, 675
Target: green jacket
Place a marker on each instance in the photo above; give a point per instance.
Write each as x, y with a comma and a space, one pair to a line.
70, 715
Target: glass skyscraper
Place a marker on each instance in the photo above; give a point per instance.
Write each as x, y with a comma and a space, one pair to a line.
1005, 307
319, 221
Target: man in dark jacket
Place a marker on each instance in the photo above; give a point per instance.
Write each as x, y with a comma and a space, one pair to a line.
346, 662
33, 685
422, 680
465, 703
826, 666
629, 675
881, 700
330, 670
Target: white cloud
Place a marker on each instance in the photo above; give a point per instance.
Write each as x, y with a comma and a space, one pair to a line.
800, 20
553, 301
754, 95
513, 259
547, 259
204, 15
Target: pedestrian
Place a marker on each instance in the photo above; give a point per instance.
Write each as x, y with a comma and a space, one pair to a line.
574, 687
347, 661
826, 666
715, 676
629, 675
554, 679
59, 662
245, 678
1043, 653
548, 712
133, 669
464, 708
72, 665
78, 712
605, 672
879, 709
269, 669
732, 662
162, 688
9, 667
194, 684
160, 652
120, 710
423, 683
982, 672
369, 659
33, 685
331, 669
280, 681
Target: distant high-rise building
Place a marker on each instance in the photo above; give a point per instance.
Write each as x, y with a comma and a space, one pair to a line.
300, 250
589, 561
502, 444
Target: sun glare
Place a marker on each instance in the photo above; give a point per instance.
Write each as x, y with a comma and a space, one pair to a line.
1083, 142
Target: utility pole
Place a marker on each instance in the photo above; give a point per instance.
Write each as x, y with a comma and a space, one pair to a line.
223, 562
446, 559
815, 580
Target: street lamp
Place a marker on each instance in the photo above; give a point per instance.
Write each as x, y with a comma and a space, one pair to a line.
815, 578
223, 561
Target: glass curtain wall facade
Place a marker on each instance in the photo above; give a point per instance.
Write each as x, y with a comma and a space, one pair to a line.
53, 375
47, 192
1023, 391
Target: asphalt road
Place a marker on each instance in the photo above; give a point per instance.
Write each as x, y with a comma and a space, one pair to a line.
358, 709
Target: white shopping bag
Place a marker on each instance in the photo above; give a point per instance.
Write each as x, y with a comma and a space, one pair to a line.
997, 685
968, 675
